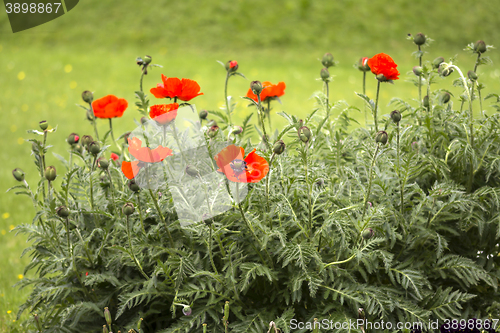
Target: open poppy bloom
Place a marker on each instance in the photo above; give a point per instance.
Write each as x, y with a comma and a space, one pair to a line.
164, 113
173, 87
109, 106
146, 154
114, 157
250, 169
383, 64
269, 91
130, 169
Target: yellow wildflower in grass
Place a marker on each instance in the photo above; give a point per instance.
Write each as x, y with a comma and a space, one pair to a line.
9, 312
20, 276
5, 215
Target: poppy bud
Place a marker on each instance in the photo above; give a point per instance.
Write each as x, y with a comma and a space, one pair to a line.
226, 310
186, 310
417, 70
204, 328
444, 71
368, 233
419, 39
139, 61
256, 87
327, 60
304, 134
237, 130
279, 147
43, 125
325, 75
125, 137
192, 171
94, 148
212, 131
128, 209
62, 211
133, 186
78, 148
381, 78
203, 114
396, 116
90, 115
480, 46
105, 329
18, 174
363, 64
86, 140
73, 138
361, 313
147, 60
87, 96
103, 163
436, 62
231, 66
107, 316
445, 97
211, 123
50, 173
144, 120
426, 101
320, 182
381, 137
472, 75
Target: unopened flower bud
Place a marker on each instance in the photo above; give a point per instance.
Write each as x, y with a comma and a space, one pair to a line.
132, 185
226, 310
256, 87
279, 147
417, 70
94, 148
381, 78
320, 182
192, 171
304, 134
128, 209
105, 329
50, 173
212, 131
445, 71
426, 101
73, 138
211, 123
147, 60
472, 75
363, 64
203, 114
325, 75
186, 310
328, 60
78, 148
396, 116
139, 61
480, 46
237, 130
437, 62
419, 39
62, 211
103, 163
232, 66
361, 313
368, 233
87, 140
144, 120
107, 316
43, 125
18, 174
87, 96
445, 97
381, 137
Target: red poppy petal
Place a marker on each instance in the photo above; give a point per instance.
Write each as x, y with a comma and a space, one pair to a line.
130, 169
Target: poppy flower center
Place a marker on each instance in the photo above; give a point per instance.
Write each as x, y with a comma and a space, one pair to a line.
238, 166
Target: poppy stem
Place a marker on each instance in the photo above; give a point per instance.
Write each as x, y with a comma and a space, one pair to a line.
94, 121
210, 250
269, 114
420, 78
399, 171
268, 176
113, 136
140, 212
112, 190
42, 155
161, 217
225, 98
327, 98
259, 112
364, 93
67, 237
375, 109
176, 137
367, 195
132, 251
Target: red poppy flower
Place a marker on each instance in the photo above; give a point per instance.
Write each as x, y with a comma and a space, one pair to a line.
109, 107
250, 169
173, 87
130, 169
383, 64
164, 113
114, 157
146, 154
270, 90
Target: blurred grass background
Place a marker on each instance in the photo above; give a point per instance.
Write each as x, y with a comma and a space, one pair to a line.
43, 70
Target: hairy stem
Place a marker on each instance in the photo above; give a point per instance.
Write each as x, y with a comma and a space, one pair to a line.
161, 217
132, 251
225, 98
376, 106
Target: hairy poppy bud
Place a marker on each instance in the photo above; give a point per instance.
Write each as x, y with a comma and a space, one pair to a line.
381, 78
437, 62
78, 148
256, 87
325, 75
43, 125
226, 311
144, 120
327, 60
50, 173
320, 182
426, 101
128, 209
237, 130
480, 46
192, 171
62, 211
203, 114
73, 138
94, 148
87, 96
419, 39
231, 66
103, 163
211, 123
396, 116
304, 134
381, 137
279, 147
368, 233
363, 64
212, 131
105, 329
417, 70
132, 185
445, 97
139, 61
204, 328
86, 140
186, 310
147, 60
472, 75
107, 314
445, 71
18, 174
